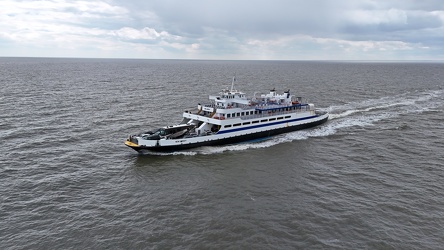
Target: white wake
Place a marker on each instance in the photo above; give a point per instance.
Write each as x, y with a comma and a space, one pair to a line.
354, 114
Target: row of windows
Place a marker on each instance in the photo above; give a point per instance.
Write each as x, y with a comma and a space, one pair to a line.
232, 96
243, 113
257, 121
255, 112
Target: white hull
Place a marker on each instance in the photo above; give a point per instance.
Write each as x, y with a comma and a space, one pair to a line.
228, 136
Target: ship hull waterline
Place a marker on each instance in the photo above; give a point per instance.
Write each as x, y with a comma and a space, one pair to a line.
230, 140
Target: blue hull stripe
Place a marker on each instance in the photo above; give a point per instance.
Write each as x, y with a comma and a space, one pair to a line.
265, 125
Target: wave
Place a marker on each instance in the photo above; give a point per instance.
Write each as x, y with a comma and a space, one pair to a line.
361, 114
384, 103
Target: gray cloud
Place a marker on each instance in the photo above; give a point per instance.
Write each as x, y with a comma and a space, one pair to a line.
279, 29
346, 19
281, 16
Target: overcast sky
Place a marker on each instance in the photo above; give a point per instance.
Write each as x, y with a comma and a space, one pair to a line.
224, 29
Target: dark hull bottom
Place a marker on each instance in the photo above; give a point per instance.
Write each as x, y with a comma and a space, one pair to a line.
233, 140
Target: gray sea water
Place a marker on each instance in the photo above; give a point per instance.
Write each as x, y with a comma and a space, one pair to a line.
370, 178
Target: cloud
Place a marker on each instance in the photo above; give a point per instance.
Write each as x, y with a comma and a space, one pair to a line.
363, 26
280, 29
34, 21
73, 25
391, 20
146, 33
280, 16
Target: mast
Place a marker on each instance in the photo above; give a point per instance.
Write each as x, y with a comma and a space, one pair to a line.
232, 83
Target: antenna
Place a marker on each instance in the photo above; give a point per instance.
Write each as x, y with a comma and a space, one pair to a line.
232, 82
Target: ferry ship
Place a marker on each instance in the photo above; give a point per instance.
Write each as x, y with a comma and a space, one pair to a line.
231, 117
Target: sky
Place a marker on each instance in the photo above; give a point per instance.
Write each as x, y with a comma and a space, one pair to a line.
224, 29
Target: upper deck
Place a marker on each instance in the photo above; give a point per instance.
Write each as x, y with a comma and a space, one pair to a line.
231, 105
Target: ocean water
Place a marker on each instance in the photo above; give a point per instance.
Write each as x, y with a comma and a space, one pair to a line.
370, 178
